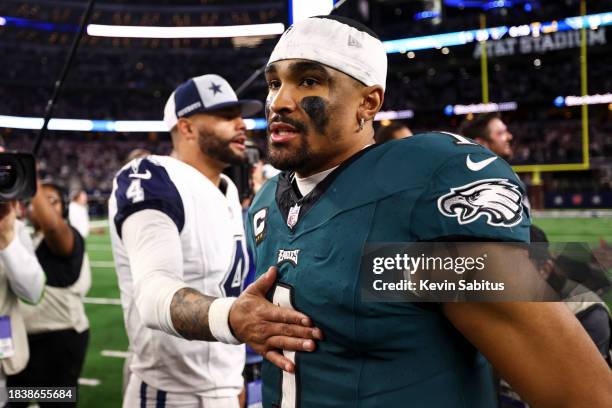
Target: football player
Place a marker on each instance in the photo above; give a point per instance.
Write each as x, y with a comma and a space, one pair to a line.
489, 130
180, 255
338, 191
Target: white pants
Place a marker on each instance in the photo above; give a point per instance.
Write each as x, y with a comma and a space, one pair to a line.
127, 373
141, 395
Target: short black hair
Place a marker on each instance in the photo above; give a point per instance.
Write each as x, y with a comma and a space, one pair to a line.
385, 133
61, 190
477, 127
352, 23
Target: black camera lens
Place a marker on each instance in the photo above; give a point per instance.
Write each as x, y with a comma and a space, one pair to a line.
17, 176
8, 176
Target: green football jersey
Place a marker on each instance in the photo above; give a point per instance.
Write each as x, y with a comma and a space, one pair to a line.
381, 354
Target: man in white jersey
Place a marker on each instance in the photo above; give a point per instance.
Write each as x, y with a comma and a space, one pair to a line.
180, 255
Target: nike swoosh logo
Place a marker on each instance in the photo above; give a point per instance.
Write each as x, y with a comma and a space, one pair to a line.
478, 165
144, 176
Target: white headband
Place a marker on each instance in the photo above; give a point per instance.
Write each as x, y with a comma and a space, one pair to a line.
337, 45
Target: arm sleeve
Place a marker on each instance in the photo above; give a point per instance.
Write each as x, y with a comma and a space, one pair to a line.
596, 322
25, 275
79, 218
153, 246
461, 202
145, 185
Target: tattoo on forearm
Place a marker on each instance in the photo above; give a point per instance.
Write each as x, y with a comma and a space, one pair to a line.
189, 312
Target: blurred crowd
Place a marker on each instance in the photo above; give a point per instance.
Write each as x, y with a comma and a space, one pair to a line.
91, 164
129, 79
558, 141
138, 83
86, 165
111, 85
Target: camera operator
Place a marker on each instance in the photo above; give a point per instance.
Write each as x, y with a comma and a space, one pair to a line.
58, 329
20, 277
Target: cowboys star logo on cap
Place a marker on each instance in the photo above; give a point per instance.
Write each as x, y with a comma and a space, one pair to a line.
498, 200
203, 94
215, 88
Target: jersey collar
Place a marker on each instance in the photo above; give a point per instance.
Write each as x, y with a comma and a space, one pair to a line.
288, 194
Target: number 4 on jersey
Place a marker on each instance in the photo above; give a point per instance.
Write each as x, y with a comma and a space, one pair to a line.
135, 192
232, 285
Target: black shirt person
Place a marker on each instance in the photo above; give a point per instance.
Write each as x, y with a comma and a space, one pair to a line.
58, 329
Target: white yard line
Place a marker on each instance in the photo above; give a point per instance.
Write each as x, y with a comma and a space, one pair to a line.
115, 353
98, 224
98, 247
92, 382
102, 264
102, 301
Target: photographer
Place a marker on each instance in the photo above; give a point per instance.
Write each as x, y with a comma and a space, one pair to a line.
20, 277
58, 329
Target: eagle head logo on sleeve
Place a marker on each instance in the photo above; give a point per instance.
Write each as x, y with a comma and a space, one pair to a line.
496, 199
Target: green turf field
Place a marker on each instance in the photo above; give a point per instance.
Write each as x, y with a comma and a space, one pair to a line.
576, 229
107, 330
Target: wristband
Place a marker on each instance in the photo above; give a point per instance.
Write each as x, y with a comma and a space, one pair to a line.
218, 320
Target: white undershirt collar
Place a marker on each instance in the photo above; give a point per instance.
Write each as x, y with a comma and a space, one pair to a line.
307, 184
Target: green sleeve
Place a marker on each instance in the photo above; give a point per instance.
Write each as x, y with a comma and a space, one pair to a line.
474, 195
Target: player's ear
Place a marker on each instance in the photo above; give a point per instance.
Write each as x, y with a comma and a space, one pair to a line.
371, 102
547, 268
186, 129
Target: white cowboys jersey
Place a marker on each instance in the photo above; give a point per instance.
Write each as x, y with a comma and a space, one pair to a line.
215, 263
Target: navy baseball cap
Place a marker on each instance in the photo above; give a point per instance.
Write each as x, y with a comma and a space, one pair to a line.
203, 94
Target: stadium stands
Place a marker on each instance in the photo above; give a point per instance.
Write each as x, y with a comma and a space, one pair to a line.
129, 79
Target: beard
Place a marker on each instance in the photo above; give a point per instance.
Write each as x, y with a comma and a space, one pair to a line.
294, 157
219, 149
300, 157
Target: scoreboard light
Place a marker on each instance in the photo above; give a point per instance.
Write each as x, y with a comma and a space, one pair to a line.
596, 99
88, 125
480, 108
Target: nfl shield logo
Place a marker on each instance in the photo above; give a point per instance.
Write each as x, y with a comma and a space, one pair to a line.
292, 218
